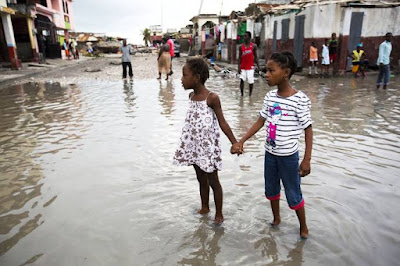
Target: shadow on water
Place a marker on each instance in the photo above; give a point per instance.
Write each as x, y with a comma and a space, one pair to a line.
204, 241
32, 124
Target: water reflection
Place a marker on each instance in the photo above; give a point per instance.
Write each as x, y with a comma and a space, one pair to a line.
204, 241
166, 96
34, 121
130, 97
271, 251
92, 163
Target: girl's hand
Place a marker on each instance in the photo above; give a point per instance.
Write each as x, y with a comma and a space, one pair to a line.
305, 168
237, 148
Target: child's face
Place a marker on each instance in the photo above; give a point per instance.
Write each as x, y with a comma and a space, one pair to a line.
188, 79
275, 73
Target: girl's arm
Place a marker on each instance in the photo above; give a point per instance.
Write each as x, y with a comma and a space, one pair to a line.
214, 102
253, 130
305, 166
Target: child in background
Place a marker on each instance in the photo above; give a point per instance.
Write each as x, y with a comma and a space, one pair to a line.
200, 144
287, 113
313, 58
325, 57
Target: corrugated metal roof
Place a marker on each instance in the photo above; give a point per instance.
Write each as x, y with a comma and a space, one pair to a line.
300, 4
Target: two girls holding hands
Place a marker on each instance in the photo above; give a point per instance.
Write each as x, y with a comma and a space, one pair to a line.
286, 113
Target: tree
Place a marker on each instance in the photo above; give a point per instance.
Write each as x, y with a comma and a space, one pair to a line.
146, 36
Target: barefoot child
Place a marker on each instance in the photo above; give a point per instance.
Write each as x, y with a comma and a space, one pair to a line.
200, 144
313, 59
325, 57
286, 112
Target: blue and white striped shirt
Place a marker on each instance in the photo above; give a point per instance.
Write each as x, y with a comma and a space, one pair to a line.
286, 118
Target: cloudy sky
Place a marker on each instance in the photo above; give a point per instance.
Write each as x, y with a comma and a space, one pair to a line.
127, 18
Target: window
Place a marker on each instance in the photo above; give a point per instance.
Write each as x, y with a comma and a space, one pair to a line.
285, 29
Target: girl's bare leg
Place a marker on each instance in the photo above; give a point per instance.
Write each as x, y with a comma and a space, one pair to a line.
218, 195
275, 212
301, 214
204, 190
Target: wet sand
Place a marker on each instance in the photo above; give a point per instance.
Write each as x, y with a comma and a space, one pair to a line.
87, 175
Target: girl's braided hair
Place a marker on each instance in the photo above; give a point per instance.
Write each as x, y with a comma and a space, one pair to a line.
285, 60
198, 67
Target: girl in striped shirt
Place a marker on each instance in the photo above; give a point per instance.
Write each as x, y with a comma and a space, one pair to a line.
286, 113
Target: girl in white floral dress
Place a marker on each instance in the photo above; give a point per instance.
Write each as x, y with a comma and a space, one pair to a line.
200, 145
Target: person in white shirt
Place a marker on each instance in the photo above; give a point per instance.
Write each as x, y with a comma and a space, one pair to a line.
286, 113
384, 61
126, 60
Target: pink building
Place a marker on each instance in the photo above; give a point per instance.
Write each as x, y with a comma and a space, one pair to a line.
54, 20
32, 30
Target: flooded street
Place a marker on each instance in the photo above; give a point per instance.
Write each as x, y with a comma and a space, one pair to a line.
87, 175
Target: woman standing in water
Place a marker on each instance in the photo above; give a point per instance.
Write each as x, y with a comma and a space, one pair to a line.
200, 144
164, 60
287, 113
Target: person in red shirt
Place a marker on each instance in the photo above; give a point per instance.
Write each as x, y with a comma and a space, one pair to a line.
247, 56
171, 50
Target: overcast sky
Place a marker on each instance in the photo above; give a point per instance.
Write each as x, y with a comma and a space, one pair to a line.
127, 18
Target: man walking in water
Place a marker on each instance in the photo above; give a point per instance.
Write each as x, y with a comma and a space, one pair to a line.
384, 61
247, 56
126, 60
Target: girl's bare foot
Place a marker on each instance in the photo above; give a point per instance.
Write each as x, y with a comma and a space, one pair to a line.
159, 78
276, 222
304, 232
203, 211
218, 219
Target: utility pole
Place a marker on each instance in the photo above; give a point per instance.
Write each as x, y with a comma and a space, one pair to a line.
162, 16
220, 10
201, 5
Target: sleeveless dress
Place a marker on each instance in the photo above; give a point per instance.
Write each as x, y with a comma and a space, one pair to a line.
199, 143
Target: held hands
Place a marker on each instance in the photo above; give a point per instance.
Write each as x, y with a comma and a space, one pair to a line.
305, 168
237, 148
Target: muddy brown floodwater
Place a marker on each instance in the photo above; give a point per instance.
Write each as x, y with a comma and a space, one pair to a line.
87, 177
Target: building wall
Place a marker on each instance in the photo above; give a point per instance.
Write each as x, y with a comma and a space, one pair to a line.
71, 15
323, 20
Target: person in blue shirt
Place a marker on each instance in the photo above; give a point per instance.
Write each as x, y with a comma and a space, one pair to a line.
384, 61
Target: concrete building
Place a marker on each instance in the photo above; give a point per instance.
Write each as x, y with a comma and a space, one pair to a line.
205, 31
156, 34
293, 27
8, 45
32, 30
54, 20
278, 26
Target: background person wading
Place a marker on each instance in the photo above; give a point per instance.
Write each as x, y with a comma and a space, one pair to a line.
247, 57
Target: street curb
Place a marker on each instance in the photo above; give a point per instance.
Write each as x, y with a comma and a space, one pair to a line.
41, 72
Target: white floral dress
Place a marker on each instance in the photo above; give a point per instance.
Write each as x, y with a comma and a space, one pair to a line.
199, 143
